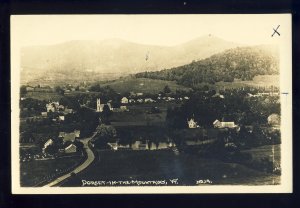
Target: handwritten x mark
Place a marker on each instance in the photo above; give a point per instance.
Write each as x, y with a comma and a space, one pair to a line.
275, 31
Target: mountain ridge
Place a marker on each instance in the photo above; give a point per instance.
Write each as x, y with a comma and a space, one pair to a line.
237, 63
118, 55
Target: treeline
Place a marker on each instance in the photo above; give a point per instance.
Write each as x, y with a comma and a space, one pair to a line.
235, 106
240, 63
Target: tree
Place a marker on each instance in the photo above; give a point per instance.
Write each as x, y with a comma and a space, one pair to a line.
167, 89
23, 90
95, 88
51, 149
69, 102
104, 135
79, 146
59, 90
106, 113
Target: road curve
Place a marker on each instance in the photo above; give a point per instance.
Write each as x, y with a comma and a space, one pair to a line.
84, 165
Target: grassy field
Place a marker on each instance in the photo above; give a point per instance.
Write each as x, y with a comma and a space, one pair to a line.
266, 152
164, 165
34, 172
138, 115
143, 85
258, 81
53, 96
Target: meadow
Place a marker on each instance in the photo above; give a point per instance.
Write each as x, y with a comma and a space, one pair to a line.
165, 165
34, 173
144, 85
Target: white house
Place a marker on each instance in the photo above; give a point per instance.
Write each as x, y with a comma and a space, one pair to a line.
61, 118
222, 124
67, 111
140, 100
124, 100
47, 143
192, 124
218, 95
52, 107
131, 101
44, 114
77, 133
71, 149
123, 108
113, 146
149, 100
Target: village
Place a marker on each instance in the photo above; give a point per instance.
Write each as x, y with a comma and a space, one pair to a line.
135, 121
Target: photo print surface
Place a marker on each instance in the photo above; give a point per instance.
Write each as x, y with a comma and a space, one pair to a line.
151, 103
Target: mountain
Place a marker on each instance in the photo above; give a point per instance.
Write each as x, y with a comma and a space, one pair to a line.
242, 63
116, 56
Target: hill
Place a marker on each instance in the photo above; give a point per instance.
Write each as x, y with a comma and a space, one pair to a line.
115, 56
243, 63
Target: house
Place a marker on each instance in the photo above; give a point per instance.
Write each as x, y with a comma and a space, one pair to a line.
222, 124
77, 133
47, 143
160, 145
71, 149
113, 146
168, 99
124, 100
132, 94
61, 134
29, 89
143, 146
44, 114
43, 89
139, 94
131, 101
149, 100
249, 95
68, 111
52, 107
139, 145
61, 107
61, 118
192, 123
218, 95
120, 146
140, 100
123, 108
69, 136
199, 142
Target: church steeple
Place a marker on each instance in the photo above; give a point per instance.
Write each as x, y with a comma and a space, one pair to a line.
98, 105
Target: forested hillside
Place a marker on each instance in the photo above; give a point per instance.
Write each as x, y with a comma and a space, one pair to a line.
240, 63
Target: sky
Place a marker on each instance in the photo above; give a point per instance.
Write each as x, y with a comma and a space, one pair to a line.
166, 30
